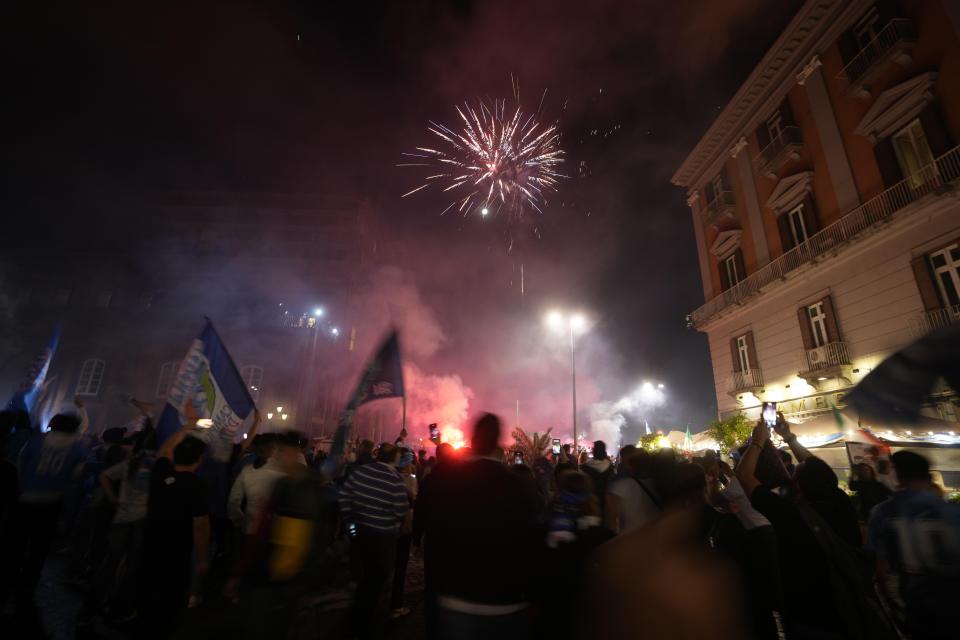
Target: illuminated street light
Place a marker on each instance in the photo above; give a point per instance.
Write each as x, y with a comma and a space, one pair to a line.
484, 211
318, 312
577, 323
279, 409
335, 331
270, 416
283, 417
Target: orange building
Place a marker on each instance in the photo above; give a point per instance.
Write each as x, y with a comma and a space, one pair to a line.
826, 205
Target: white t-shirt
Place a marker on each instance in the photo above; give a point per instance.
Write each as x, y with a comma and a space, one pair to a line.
256, 485
636, 507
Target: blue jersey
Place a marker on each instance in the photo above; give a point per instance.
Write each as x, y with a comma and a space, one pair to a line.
918, 534
49, 466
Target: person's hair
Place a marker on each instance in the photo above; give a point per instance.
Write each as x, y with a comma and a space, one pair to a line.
817, 481
626, 451
785, 457
522, 470
292, 438
64, 423
687, 482
445, 451
563, 468
388, 453
910, 466
486, 434
263, 445
188, 451
565, 448
866, 472
579, 484
599, 450
113, 435
365, 446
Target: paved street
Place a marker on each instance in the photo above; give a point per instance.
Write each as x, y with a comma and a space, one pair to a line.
58, 604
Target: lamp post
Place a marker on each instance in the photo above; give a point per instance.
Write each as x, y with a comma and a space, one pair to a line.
558, 321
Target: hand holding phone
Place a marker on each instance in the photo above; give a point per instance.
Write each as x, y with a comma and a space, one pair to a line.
769, 413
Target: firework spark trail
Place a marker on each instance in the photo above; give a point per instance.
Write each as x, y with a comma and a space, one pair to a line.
500, 157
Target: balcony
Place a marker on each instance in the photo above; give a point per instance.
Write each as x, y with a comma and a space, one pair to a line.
933, 320
894, 42
781, 150
826, 363
945, 170
721, 209
749, 381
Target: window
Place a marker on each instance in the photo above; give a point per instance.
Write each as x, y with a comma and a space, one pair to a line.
743, 352
253, 376
91, 377
913, 154
775, 125
168, 371
865, 29
717, 184
798, 226
946, 269
818, 324
730, 268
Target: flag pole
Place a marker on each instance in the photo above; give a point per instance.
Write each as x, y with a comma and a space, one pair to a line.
403, 420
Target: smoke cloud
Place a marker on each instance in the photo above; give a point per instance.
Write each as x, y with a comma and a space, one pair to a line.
608, 419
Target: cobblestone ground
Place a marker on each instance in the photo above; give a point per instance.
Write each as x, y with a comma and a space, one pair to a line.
57, 605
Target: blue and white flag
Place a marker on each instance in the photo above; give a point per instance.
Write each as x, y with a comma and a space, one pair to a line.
382, 378
207, 386
25, 398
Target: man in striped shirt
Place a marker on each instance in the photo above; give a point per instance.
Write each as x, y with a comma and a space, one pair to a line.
373, 502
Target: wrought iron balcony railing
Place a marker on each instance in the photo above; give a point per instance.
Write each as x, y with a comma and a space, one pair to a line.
783, 148
933, 320
944, 170
748, 380
832, 354
893, 40
722, 206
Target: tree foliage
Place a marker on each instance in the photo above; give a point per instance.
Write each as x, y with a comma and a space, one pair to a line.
730, 433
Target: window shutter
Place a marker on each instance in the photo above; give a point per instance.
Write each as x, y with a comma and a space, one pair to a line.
735, 354
763, 136
741, 267
786, 237
833, 326
887, 161
810, 217
925, 283
724, 280
848, 46
803, 315
936, 131
752, 351
786, 113
708, 192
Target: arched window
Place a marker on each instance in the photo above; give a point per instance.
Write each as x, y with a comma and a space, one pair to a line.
253, 376
91, 377
168, 371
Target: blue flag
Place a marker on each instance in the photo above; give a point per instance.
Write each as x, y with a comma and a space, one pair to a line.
207, 385
382, 378
25, 398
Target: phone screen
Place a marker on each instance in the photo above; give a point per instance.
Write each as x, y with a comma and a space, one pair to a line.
518, 458
770, 413
434, 431
556, 446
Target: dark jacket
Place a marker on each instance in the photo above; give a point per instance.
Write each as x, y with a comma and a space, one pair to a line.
481, 518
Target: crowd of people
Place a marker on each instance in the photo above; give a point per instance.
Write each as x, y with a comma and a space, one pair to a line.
162, 539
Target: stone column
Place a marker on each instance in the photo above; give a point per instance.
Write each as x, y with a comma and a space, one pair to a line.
693, 202
838, 165
754, 215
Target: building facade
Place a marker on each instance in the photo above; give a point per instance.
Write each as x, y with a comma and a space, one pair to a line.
131, 285
826, 205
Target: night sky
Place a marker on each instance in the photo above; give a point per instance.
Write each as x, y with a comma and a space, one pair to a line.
324, 97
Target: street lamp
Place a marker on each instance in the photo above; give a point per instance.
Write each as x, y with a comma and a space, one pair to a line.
318, 312
576, 323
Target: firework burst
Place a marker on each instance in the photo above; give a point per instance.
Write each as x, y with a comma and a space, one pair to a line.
499, 161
